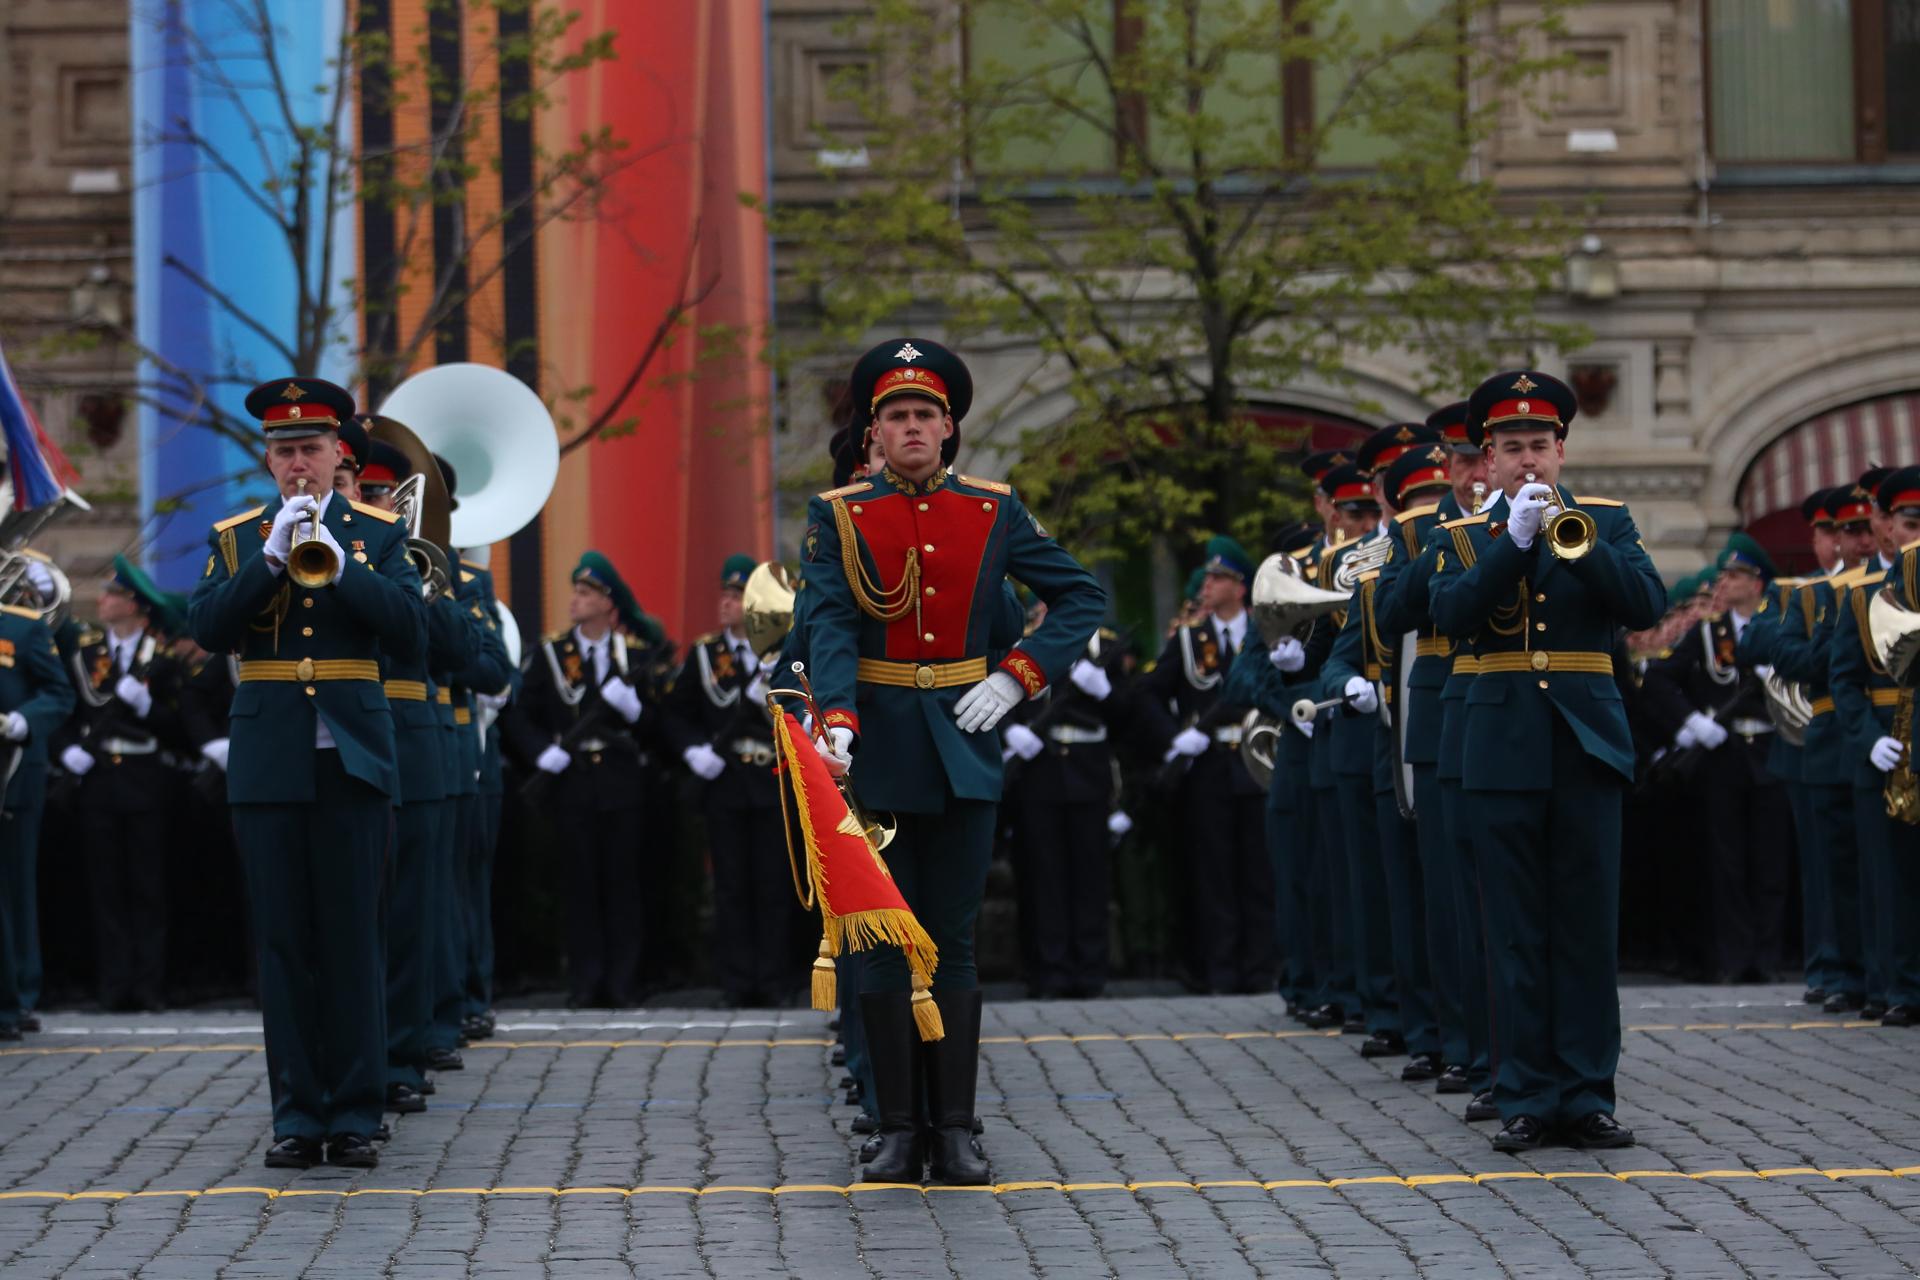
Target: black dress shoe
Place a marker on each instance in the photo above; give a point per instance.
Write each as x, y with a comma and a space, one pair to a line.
1452, 1080
1873, 1009
1900, 1015
29, 1022
352, 1151
404, 1099
428, 1087
839, 1056
445, 1060
383, 1132
853, 1095
1421, 1067
1522, 1133
833, 1024
1383, 1044
1482, 1108
476, 1028
294, 1153
865, 1123
1326, 1015
1598, 1131
1813, 995
869, 1149
9, 1031
1842, 1002
1355, 1025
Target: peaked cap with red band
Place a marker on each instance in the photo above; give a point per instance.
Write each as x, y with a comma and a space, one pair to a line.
1900, 491
912, 366
355, 443
1420, 469
1348, 485
1451, 422
1385, 446
1850, 504
1317, 465
1814, 509
1520, 400
385, 465
294, 408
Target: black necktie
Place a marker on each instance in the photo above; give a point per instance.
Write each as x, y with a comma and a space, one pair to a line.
1226, 643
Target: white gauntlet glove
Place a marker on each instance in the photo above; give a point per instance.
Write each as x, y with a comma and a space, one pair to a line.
1118, 823
1023, 741
1528, 512
1705, 730
135, 694
704, 761
553, 760
1361, 695
13, 727
340, 561
622, 697
1287, 655
981, 707
1090, 680
837, 750
1189, 742
215, 749
76, 760
295, 510
1886, 754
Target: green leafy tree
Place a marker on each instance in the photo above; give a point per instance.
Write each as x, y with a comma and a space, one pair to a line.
1179, 205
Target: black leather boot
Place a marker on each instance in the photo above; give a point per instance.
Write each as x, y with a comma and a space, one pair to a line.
893, 1047
953, 1066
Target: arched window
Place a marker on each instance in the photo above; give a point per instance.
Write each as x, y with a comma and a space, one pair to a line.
1821, 452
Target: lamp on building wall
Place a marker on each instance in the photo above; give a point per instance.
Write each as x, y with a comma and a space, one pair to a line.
1593, 274
98, 300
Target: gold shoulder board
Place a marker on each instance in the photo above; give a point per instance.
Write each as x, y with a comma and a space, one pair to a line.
1466, 520
477, 568
1406, 517
468, 577
19, 612
991, 486
234, 522
846, 491
1302, 553
1598, 502
375, 512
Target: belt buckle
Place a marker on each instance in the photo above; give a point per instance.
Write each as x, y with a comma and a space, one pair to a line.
1540, 661
303, 670
923, 676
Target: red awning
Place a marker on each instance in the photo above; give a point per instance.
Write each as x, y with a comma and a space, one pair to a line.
1831, 449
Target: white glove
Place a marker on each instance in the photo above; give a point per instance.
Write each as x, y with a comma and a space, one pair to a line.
216, 750
837, 750
494, 702
1706, 731
1886, 754
1762, 670
1023, 741
981, 707
40, 577
1287, 655
77, 761
340, 561
1304, 726
757, 688
1091, 680
295, 510
1361, 695
1118, 823
1190, 742
704, 761
135, 694
622, 697
1684, 739
553, 760
1528, 513
14, 727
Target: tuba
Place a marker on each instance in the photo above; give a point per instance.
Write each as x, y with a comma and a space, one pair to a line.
52, 600
766, 608
1362, 560
423, 504
496, 434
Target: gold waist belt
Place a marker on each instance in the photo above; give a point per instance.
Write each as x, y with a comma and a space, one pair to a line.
1371, 671
1822, 706
1466, 665
921, 675
443, 696
310, 669
1432, 647
1593, 664
406, 691
462, 715
1885, 697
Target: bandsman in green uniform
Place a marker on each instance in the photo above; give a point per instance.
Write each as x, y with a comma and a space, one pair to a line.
311, 771
35, 700
1548, 755
908, 566
1898, 890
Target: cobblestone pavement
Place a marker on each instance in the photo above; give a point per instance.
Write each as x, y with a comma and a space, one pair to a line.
1132, 1137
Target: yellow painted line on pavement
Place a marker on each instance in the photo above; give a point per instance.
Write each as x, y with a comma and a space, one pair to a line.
821, 1042
1415, 1182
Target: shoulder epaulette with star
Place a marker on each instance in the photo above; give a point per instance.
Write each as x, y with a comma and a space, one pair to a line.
846, 490
1464, 521
991, 486
232, 522
375, 512
1407, 516
706, 637
557, 637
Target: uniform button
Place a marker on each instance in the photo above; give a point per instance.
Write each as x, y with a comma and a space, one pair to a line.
924, 507
1540, 598
856, 508
986, 506
929, 590
309, 691
596, 757
1539, 626
306, 602
1543, 684
928, 637
306, 631
927, 547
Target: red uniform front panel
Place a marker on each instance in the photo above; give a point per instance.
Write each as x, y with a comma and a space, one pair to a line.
951, 531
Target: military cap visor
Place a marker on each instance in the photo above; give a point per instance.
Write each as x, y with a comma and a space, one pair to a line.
597, 572
130, 579
354, 443
1743, 554
1520, 400
296, 408
386, 466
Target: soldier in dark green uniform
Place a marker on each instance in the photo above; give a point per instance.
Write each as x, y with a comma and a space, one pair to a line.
1899, 889
125, 680
1547, 758
312, 773
477, 594
908, 567
35, 699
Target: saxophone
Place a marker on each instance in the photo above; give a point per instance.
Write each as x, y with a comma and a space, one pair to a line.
1903, 787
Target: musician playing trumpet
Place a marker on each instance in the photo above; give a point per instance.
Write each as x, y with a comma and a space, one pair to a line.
1548, 757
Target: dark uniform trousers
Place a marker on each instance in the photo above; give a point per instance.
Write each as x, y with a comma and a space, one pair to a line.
1407, 922
316, 874
939, 862
20, 978
1291, 836
1368, 923
1232, 873
121, 807
1873, 836
1458, 830
1750, 844
413, 939
1068, 863
752, 887
1332, 936
1831, 827
603, 841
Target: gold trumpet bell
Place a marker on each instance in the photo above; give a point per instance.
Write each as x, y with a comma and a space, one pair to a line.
311, 562
1571, 534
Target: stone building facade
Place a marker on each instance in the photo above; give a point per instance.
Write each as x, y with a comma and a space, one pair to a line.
1750, 271
66, 234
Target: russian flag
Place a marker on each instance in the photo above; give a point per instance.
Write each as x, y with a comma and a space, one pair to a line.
41, 474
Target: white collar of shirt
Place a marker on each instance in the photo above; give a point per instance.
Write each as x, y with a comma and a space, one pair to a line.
123, 650
600, 651
1740, 621
742, 651
1236, 631
1882, 561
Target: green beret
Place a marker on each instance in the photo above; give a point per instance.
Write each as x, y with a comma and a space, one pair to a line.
1224, 555
1742, 552
598, 572
737, 569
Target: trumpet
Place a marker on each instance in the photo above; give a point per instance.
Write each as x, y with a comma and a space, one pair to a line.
1571, 533
311, 562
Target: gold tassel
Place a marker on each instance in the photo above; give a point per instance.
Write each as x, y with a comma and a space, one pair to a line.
926, 1014
826, 996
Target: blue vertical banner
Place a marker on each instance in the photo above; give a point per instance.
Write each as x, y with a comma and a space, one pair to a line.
222, 91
